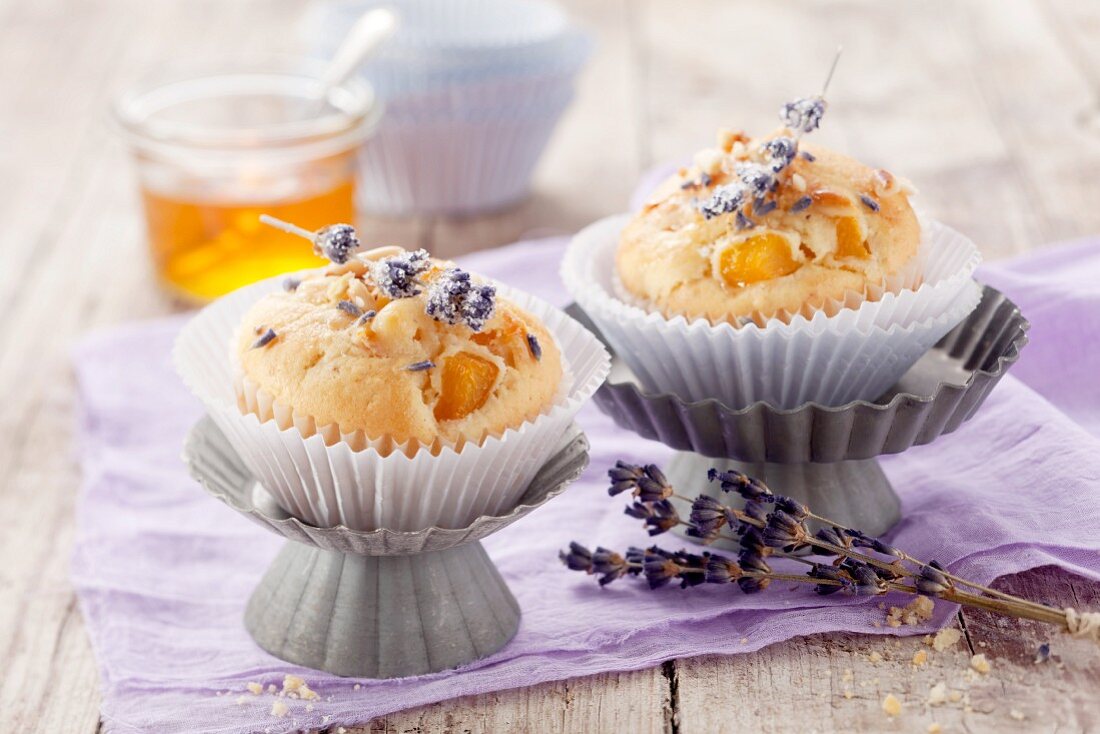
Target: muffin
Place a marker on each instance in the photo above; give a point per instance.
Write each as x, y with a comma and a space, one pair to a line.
389, 391
394, 344
773, 271
820, 226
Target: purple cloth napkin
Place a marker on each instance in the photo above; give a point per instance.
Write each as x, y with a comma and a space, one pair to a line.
163, 571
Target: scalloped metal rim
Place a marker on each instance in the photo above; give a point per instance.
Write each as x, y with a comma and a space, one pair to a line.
337, 537
1004, 361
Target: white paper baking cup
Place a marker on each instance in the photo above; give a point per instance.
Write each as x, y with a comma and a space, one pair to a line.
452, 165
430, 49
445, 24
852, 349
328, 485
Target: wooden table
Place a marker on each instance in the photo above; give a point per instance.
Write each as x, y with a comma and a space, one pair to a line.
991, 108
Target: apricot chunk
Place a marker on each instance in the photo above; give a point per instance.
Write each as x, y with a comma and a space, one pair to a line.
849, 239
466, 383
761, 257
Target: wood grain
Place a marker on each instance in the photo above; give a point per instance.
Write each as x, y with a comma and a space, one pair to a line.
993, 109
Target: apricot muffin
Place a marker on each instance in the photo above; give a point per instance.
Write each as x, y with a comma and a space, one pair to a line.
759, 227
395, 344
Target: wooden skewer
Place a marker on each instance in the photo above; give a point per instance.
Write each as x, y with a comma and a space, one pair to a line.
288, 227
832, 70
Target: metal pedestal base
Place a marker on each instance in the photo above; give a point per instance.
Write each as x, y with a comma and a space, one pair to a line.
382, 616
377, 603
854, 493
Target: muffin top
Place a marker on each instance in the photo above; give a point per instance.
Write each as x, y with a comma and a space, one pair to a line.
394, 343
757, 227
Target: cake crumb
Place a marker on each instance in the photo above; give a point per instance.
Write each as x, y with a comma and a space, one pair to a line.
270, 687
954, 696
937, 694
279, 709
917, 611
1016, 714
920, 657
934, 728
847, 675
744, 640
309, 707
891, 705
242, 700
979, 663
945, 638
875, 657
848, 693
295, 687
356, 687
254, 688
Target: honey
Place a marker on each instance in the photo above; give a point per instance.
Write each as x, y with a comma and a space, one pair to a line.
214, 147
206, 249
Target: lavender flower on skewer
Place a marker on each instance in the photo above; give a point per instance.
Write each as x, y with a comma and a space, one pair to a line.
774, 526
755, 182
336, 242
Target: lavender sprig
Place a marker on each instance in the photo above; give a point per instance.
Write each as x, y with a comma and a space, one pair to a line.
782, 532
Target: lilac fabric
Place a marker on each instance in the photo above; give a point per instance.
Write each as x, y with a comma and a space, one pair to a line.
163, 571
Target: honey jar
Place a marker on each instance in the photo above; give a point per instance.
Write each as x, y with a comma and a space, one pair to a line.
215, 150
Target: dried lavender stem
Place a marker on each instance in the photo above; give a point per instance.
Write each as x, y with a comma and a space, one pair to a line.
287, 227
906, 557
1012, 607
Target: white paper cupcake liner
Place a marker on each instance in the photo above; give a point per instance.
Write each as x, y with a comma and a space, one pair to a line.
452, 166
431, 52
327, 485
852, 349
445, 24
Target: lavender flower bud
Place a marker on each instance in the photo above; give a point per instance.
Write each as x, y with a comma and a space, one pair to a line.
659, 568
754, 564
723, 200
792, 507
336, 242
624, 477
397, 276
350, 309
608, 564
828, 573
756, 510
578, 558
654, 485
758, 179
931, 581
453, 298
663, 517
803, 115
742, 484
784, 531
867, 582
828, 535
779, 152
721, 570
707, 514
635, 558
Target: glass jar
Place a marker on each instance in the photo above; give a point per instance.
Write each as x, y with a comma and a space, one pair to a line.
214, 150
